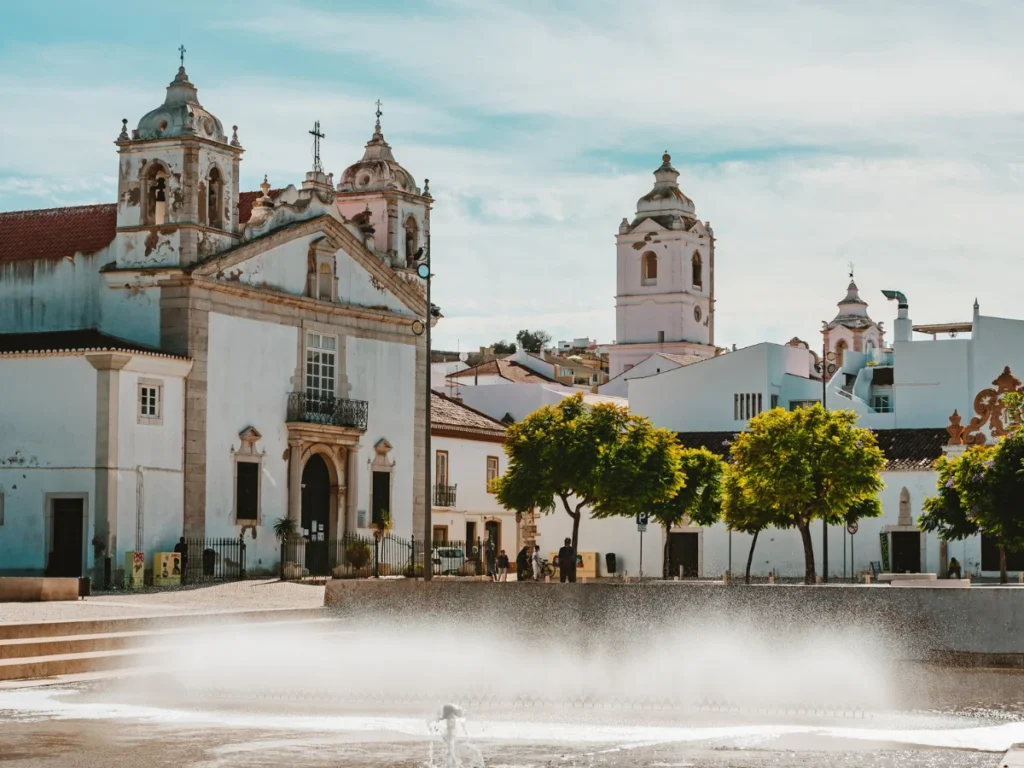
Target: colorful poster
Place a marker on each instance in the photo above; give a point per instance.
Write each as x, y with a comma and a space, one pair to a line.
134, 569
166, 569
883, 539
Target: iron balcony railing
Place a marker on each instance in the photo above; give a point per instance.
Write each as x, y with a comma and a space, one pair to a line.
330, 411
444, 495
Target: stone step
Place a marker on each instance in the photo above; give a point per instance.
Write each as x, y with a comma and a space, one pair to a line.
67, 628
75, 663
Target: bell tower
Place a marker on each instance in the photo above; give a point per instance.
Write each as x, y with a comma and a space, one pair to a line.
177, 197
665, 300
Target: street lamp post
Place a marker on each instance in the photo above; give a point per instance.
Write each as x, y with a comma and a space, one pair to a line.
827, 368
423, 270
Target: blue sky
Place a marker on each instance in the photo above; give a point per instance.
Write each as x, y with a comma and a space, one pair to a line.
810, 134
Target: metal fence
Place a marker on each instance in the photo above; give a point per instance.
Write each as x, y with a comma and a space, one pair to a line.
350, 557
214, 560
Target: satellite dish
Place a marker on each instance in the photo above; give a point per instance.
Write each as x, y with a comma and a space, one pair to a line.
463, 356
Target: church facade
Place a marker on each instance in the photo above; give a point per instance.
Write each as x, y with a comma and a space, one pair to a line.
197, 360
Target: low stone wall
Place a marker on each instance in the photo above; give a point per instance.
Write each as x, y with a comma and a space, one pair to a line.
30, 589
918, 623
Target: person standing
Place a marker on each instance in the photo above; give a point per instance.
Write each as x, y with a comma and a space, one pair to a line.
182, 548
489, 554
567, 563
955, 572
502, 566
535, 561
523, 564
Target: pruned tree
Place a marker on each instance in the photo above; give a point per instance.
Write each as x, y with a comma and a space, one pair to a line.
805, 465
601, 458
741, 515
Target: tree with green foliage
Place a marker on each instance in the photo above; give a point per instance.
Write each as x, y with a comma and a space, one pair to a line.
503, 347
698, 499
741, 515
603, 458
981, 491
532, 341
805, 465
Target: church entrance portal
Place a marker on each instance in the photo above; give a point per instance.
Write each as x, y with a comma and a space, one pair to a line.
683, 552
68, 538
316, 513
906, 552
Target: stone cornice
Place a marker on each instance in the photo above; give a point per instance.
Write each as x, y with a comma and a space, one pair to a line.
340, 234
178, 141
466, 433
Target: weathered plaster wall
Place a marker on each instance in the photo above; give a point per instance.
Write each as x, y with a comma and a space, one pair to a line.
47, 445
378, 217
51, 295
130, 308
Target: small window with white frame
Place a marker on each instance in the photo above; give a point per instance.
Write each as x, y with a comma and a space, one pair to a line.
151, 405
492, 472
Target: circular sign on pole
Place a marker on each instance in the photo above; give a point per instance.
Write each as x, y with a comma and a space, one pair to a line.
830, 356
418, 327
831, 368
852, 527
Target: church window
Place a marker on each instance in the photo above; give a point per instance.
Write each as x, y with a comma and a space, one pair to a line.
697, 267
151, 393
321, 359
649, 269
412, 237
154, 195
840, 349
325, 282
214, 198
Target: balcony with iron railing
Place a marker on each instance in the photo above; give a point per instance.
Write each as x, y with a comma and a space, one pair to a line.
444, 495
328, 411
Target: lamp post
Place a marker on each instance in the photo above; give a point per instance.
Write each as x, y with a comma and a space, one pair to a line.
423, 270
828, 367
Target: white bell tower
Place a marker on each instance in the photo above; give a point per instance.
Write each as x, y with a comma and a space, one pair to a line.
665, 300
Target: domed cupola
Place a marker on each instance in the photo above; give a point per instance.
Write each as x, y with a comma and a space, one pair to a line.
378, 170
180, 115
666, 203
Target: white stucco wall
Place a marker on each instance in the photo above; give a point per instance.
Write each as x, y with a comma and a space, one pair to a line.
130, 308
50, 295
250, 369
47, 445
651, 366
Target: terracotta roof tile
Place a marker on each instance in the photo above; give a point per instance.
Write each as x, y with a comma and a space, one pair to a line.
506, 369
86, 339
52, 233
906, 450
451, 414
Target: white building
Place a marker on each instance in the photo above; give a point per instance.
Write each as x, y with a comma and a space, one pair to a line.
657, 363
665, 299
469, 454
234, 358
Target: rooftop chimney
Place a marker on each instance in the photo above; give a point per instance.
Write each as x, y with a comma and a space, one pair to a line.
903, 328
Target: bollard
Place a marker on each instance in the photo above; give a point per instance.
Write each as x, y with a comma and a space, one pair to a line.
547, 579
1020, 577
771, 578
867, 578
725, 577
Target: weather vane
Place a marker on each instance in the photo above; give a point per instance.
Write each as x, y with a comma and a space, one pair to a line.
379, 113
181, 50
315, 133
851, 270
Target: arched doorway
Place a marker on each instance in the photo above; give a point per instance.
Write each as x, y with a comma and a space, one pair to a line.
316, 513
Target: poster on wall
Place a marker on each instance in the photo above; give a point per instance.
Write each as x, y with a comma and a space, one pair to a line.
134, 569
883, 539
166, 569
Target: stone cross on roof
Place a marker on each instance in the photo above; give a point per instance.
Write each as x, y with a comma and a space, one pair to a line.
315, 133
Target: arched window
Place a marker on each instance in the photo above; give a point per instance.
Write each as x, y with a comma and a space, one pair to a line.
841, 346
698, 271
154, 196
412, 238
649, 269
325, 280
214, 198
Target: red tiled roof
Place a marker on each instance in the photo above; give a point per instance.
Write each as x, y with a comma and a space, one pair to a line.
446, 413
53, 233
506, 369
906, 450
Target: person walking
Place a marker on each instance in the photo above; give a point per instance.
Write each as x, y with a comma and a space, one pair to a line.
502, 566
491, 560
182, 548
536, 563
567, 563
523, 565
954, 569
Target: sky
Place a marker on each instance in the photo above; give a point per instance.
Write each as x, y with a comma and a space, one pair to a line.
810, 135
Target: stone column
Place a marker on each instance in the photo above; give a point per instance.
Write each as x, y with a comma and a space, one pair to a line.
295, 483
108, 389
393, 235
351, 487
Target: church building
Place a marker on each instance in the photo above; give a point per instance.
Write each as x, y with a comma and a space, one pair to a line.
665, 301
198, 360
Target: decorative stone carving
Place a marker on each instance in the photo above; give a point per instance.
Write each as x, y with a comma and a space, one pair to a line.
905, 518
234, 138
124, 130
988, 404
955, 429
249, 437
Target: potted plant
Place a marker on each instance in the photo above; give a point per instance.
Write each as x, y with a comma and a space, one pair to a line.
358, 555
381, 526
285, 529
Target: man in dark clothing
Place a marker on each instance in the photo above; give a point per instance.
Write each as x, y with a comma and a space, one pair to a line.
567, 563
523, 564
182, 548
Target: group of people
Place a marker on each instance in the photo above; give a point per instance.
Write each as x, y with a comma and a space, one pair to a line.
529, 563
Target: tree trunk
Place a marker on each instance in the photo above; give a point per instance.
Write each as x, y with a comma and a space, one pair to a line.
1003, 579
575, 531
664, 557
805, 535
750, 555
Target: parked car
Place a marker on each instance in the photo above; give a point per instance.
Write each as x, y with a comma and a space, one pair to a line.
448, 561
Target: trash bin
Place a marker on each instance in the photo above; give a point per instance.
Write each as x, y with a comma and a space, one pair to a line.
84, 586
609, 561
209, 559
